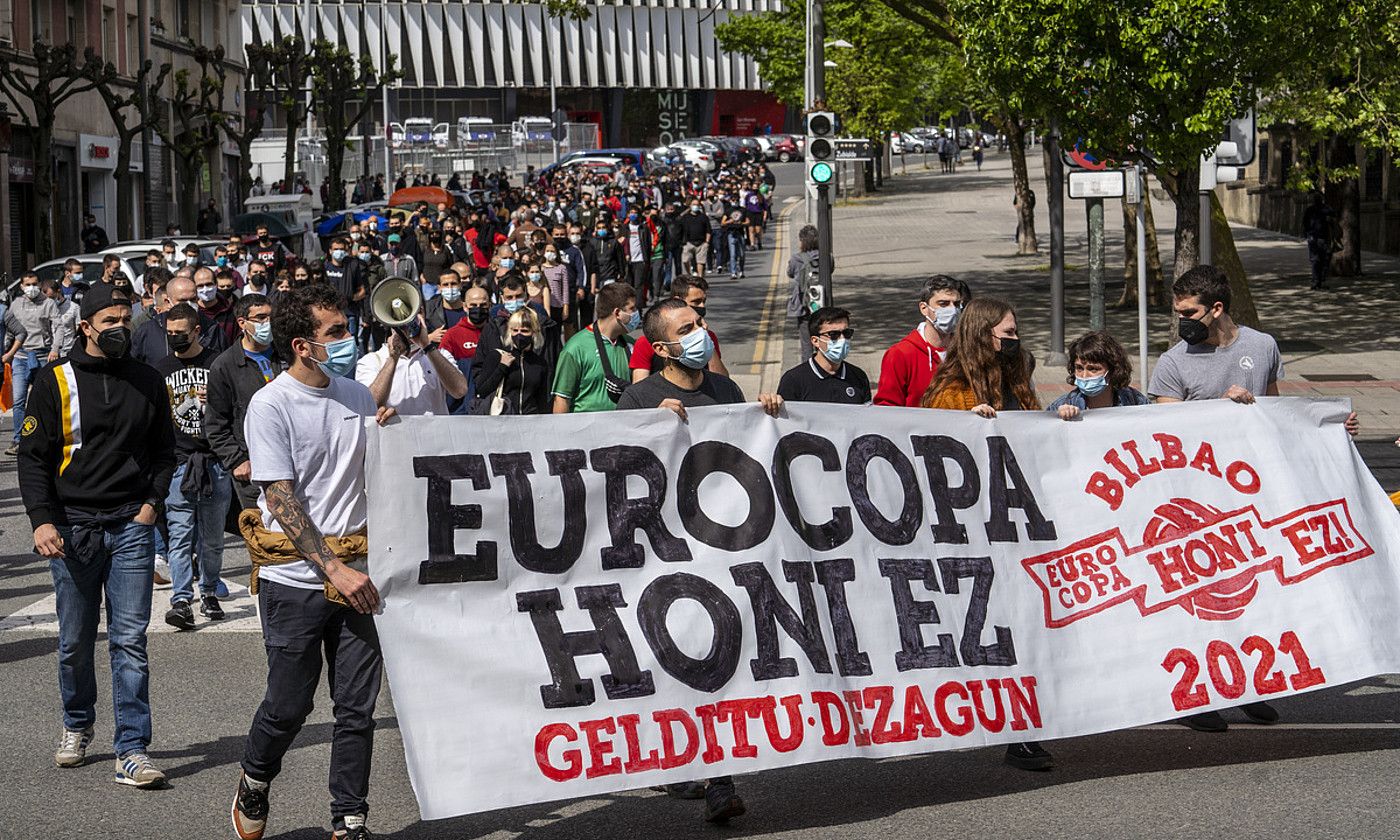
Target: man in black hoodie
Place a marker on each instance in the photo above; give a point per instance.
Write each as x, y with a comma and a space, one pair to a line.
96, 455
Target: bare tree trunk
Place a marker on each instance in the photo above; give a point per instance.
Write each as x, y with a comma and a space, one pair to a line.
335, 163
1154, 256
43, 191
1227, 258
1129, 297
1025, 204
1181, 186
1344, 195
126, 222
290, 158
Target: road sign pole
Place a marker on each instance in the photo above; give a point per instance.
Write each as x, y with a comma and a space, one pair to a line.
824, 241
1205, 229
1142, 275
1094, 207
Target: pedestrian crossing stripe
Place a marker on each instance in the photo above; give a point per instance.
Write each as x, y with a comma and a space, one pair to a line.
70, 414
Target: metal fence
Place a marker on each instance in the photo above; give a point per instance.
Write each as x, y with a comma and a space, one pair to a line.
485, 148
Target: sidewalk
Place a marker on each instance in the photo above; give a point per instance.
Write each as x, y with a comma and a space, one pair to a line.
1340, 342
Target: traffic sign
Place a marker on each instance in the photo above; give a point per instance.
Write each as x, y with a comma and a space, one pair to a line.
1109, 183
852, 148
1077, 159
560, 130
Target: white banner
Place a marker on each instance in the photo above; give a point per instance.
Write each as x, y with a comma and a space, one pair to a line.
590, 603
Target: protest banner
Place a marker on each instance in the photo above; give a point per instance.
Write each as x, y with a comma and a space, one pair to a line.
589, 603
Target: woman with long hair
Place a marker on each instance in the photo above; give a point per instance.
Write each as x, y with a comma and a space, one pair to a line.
985, 370
517, 372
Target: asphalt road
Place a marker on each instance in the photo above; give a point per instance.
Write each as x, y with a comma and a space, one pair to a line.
1327, 771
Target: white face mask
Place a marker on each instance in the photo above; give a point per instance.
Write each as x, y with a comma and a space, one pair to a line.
31, 292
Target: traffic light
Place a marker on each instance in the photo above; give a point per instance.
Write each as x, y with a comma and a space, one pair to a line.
821, 131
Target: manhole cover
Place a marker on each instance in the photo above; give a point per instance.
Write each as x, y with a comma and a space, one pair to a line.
1339, 377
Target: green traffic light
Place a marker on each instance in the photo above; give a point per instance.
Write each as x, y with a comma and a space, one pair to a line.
822, 172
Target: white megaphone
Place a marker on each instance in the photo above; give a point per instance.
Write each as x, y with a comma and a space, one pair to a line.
395, 302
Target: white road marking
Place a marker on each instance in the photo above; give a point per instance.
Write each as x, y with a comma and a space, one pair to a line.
240, 609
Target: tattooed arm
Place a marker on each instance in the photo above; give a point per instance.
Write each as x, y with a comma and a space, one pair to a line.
287, 509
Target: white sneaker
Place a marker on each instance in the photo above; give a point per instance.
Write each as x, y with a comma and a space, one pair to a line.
137, 770
162, 572
72, 747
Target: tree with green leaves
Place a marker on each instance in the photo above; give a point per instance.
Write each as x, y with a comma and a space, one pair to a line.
289, 68
132, 109
1346, 94
244, 127
343, 90
1144, 80
37, 89
191, 130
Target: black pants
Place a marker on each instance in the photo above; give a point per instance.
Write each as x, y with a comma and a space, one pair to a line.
1320, 255
639, 275
298, 624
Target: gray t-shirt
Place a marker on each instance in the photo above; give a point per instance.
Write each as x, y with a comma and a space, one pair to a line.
1206, 372
651, 392
35, 319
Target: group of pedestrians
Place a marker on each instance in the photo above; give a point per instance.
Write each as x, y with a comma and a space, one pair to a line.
237, 404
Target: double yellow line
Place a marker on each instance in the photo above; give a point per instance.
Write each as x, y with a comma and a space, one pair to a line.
772, 319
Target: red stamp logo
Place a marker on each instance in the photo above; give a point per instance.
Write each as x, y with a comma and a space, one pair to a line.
1196, 557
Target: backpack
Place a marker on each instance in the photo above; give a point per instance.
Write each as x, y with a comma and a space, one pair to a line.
808, 274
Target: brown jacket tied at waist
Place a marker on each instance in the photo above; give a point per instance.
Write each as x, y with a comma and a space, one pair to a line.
271, 548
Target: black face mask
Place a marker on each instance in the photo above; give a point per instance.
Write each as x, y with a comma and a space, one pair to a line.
561, 242
179, 343
524, 342
699, 311
114, 342
1010, 349
1192, 331
478, 314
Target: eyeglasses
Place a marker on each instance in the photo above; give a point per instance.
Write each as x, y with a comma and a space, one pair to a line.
832, 335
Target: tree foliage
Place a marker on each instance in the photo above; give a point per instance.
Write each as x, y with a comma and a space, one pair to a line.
343, 90
192, 129
132, 109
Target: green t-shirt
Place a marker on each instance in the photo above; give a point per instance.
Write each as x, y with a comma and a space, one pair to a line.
578, 375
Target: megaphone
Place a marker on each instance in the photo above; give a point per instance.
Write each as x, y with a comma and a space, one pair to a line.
395, 302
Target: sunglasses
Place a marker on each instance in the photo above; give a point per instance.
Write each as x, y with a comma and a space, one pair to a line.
832, 335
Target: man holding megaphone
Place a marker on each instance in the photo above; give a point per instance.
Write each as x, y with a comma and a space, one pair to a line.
409, 373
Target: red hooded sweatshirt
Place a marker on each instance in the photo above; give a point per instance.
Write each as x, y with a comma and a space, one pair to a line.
907, 370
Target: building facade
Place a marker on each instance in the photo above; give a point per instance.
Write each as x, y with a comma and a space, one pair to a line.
85, 147
1263, 199
646, 72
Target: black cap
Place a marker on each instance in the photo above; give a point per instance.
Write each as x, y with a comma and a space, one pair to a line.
101, 296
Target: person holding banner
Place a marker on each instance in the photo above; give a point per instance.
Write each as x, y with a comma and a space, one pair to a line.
986, 371
827, 376
306, 442
683, 344
909, 365
592, 368
1100, 372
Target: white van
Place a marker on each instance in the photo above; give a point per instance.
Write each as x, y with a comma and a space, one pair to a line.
475, 130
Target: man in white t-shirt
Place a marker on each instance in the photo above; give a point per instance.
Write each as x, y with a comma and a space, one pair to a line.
306, 444
413, 379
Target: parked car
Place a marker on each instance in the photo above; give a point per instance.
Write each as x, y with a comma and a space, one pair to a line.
783, 148
638, 159
133, 253
699, 155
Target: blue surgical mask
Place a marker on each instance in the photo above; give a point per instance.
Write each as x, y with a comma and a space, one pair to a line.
945, 318
1093, 386
340, 356
508, 263
451, 293
836, 349
221, 261
262, 333
696, 348
635, 321
513, 306
338, 254
77, 277
364, 256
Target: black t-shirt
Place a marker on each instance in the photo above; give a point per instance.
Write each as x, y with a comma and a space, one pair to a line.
808, 382
346, 278
695, 227
187, 382
651, 392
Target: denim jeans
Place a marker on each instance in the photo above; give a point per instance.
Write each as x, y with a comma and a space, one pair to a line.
22, 369
298, 624
123, 570
196, 528
721, 247
736, 251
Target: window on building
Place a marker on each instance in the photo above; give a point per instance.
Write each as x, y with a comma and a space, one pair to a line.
208, 27
109, 36
1263, 161
38, 20
7, 20
184, 13
74, 20
133, 45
